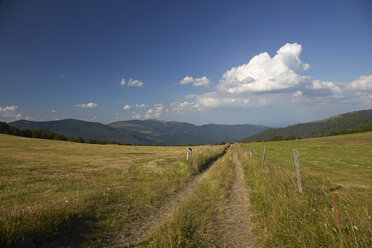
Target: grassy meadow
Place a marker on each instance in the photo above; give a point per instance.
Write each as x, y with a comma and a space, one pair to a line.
335, 207
55, 193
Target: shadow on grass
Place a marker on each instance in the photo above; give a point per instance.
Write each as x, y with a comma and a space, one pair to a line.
70, 233
208, 164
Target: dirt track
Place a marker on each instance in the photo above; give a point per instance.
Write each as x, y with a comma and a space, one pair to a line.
234, 220
139, 232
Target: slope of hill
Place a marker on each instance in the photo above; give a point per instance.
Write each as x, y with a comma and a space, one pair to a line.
316, 128
235, 131
144, 132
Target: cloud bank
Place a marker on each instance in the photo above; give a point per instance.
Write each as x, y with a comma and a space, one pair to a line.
269, 81
9, 112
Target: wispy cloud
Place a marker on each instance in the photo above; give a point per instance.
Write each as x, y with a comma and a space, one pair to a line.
135, 83
136, 116
131, 82
53, 111
87, 105
155, 112
141, 105
127, 106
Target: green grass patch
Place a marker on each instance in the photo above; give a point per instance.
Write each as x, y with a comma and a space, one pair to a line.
334, 209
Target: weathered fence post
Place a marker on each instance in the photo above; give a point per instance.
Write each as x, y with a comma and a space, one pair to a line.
189, 153
263, 157
196, 150
200, 149
250, 152
297, 165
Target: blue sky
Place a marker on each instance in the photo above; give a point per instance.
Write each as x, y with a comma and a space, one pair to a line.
259, 62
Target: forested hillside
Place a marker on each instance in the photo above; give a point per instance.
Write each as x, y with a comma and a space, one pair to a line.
317, 128
148, 132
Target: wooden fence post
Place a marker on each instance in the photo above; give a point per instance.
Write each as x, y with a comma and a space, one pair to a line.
196, 150
263, 157
297, 165
250, 152
189, 153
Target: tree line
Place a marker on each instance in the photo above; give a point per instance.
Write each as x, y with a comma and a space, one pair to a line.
360, 129
42, 134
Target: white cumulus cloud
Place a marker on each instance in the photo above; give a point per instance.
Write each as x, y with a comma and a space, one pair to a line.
127, 107
264, 73
122, 83
202, 81
87, 105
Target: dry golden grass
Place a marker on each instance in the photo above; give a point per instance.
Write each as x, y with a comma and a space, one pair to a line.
59, 193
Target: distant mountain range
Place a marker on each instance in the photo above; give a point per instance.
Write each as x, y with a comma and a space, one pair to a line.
316, 128
146, 132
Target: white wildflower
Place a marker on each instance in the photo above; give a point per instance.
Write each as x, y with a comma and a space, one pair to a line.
356, 228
